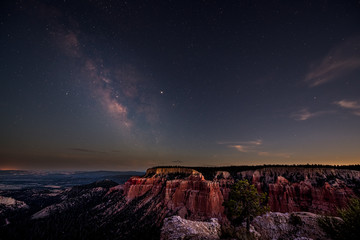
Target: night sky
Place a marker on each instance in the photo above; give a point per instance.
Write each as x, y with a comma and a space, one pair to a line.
121, 85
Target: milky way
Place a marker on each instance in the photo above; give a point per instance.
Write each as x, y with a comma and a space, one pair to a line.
133, 84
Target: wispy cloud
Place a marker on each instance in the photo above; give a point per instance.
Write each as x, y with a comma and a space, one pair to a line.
357, 113
341, 60
85, 150
255, 142
354, 106
305, 114
241, 148
271, 154
348, 104
247, 146
254, 147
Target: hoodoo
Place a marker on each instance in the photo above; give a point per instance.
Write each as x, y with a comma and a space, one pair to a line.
186, 191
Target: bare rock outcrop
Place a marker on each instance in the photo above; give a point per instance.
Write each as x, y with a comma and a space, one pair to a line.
270, 226
11, 203
9, 207
297, 225
176, 228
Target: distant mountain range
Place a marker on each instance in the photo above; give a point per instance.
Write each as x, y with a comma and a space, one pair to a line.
20, 179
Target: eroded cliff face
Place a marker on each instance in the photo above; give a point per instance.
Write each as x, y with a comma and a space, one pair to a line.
190, 197
185, 192
305, 189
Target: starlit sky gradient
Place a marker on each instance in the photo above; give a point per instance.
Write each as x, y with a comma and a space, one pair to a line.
120, 85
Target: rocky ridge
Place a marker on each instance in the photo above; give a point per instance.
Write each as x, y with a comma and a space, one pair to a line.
12, 203
272, 225
297, 225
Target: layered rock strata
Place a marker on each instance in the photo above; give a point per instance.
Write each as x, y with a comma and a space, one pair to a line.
185, 192
191, 197
305, 189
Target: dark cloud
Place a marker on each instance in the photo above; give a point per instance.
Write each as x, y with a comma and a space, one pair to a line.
177, 161
85, 150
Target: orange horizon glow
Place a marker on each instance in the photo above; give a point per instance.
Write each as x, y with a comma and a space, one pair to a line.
8, 168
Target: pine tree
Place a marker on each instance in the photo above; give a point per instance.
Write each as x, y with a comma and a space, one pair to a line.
244, 203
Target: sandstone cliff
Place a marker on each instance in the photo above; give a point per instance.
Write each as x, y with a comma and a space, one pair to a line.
185, 191
191, 197
314, 190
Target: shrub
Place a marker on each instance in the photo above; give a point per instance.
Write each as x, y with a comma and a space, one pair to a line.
348, 228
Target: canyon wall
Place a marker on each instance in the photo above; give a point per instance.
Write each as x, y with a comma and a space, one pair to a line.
189, 195
185, 192
314, 190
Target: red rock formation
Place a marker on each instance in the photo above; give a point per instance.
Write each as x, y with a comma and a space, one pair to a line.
185, 192
225, 181
137, 186
159, 171
312, 190
192, 197
198, 198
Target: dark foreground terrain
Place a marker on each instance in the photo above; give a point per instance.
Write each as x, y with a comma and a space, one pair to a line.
136, 209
